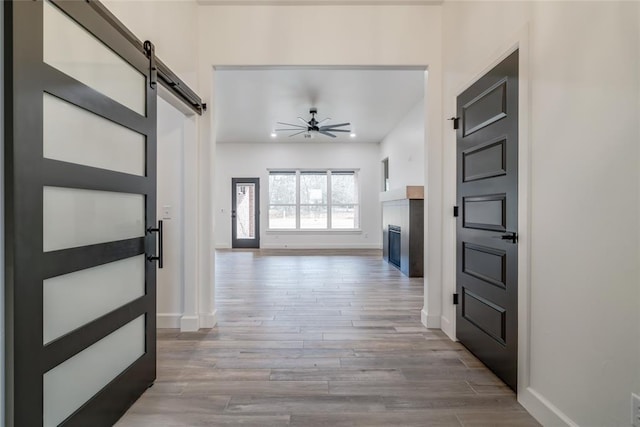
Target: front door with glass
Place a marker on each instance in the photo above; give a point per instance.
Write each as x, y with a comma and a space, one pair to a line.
245, 212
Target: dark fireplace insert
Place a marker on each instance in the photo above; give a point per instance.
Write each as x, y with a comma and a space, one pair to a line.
394, 245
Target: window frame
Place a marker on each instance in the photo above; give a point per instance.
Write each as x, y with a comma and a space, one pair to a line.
328, 205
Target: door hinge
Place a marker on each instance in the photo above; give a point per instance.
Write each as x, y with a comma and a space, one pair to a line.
150, 51
455, 299
456, 122
455, 211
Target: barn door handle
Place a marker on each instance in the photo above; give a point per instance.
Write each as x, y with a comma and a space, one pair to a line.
512, 236
160, 257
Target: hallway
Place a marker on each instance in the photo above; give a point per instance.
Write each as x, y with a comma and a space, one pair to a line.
305, 338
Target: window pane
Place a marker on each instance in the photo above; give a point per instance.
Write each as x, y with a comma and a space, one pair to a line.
74, 135
282, 217
282, 189
245, 210
313, 216
345, 216
77, 53
75, 217
74, 299
313, 188
343, 188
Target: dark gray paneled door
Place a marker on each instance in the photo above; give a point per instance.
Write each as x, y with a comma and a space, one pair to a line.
80, 169
487, 249
245, 212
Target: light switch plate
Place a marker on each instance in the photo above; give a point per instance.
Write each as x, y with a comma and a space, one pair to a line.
166, 212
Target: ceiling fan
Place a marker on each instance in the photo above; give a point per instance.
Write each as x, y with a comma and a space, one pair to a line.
313, 125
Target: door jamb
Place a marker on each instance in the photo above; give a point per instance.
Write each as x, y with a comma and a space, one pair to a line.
520, 41
189, 320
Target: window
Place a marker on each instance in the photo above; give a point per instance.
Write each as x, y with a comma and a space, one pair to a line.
313, 200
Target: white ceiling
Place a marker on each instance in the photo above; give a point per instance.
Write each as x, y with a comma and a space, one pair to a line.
249, 101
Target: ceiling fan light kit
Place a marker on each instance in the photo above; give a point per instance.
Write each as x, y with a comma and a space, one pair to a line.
313, 126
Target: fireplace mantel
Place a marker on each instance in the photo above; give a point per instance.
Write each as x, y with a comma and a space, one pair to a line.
411, 192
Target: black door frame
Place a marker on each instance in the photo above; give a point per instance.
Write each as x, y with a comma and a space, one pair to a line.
27, 77
245, 243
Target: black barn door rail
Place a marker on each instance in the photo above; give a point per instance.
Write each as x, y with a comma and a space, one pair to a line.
165, 76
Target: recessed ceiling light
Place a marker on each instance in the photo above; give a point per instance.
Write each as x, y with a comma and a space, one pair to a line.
352, 134
273, 134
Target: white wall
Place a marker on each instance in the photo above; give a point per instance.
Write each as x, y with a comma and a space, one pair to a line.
169, 25
404, 147
584, 194
252, 160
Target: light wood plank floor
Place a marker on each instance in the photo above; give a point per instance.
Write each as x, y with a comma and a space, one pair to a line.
317, 338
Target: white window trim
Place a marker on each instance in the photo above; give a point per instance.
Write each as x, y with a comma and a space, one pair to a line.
329, 205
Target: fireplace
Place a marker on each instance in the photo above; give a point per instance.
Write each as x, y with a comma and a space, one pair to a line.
394, 245
403, 230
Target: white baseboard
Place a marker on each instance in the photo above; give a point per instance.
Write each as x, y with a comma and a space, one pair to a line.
431, 322
189, 323
208, 320
543, 410
447, 328
223, 245
168, 320
185, 323
320, 246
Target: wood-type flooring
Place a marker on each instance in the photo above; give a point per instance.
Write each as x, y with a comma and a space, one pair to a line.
319, 338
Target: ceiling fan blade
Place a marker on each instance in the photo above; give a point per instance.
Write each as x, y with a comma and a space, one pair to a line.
303, 121
323, 120
291, 124
297, 133
324, 132
298, 129
325, 128
338, 125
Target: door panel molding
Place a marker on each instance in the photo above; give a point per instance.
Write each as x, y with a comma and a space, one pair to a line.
495, 328
484, 206
491, 105
486, 275
480, 156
